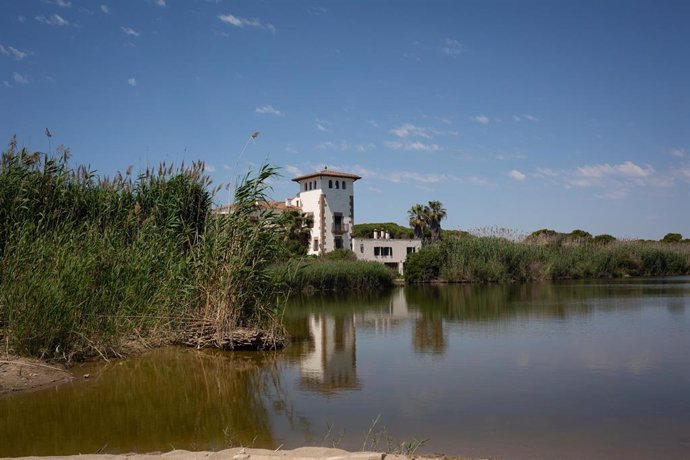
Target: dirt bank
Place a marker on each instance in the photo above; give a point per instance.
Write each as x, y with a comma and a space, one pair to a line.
24, 374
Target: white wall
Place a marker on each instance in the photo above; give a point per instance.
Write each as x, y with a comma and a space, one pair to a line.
336, 201
364, 249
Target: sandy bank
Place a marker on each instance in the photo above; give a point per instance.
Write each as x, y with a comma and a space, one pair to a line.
302, 453
18, 375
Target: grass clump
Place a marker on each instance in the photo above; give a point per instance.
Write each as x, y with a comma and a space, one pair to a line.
322, 274
492, 259
87, 262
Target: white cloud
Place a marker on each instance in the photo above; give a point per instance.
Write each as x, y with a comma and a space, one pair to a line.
160, 3
373, 123
345, 146
269, 109
413, 146
481, 119
105, 9
293, 170
408, 129
627, 169
678, 152
525, 116
14, 52
546, 172
209, 168
316, 10
54, 20
241, 22
60, 3
21, 19
510, 156
517, 175
323, 125
19, 78
132, 81
129, 31
452, 47
6, 84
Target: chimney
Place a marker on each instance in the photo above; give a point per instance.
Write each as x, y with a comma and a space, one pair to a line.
376, 234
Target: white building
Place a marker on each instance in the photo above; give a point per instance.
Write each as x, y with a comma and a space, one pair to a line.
383, 249
329, 197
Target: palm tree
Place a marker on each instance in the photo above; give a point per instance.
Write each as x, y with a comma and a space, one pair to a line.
418, 221
435, 213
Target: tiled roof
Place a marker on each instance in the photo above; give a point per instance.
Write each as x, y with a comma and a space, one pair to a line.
329, 173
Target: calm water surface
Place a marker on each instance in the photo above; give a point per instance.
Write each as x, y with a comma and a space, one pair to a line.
565, 370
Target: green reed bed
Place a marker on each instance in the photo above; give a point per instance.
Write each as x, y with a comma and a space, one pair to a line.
491, 259
332, 275
87, 262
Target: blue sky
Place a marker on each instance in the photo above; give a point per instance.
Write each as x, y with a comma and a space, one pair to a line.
515, 114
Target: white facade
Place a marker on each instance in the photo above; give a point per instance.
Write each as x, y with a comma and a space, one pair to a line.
383, 249
329, 197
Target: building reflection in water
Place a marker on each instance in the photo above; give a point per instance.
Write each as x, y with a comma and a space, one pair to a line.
330, 363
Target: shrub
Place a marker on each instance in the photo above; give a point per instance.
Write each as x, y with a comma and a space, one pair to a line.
672, 238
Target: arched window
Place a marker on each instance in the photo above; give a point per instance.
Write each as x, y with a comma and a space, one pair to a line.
314, 185
344, 185
305, 186
330, 184
337, 184
310, 185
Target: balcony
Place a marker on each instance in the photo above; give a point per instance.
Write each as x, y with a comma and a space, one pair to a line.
339, 229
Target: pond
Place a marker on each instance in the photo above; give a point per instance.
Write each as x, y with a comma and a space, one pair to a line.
597, 369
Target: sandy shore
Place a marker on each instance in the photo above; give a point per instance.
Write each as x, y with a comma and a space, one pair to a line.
19, 375
302, 453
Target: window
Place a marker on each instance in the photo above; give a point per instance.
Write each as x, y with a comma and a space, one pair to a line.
411, 249
314, 185
361, 248
330, 184
344, 185
337, 184
338, 242
337, 222
316, 245
305, 186
383, 251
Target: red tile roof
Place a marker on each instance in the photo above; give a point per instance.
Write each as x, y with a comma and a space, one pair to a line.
328, 173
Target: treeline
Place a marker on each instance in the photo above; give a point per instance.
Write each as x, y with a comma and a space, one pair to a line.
492, 259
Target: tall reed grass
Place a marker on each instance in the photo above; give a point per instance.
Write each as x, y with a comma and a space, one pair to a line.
87, 262
322, 275
491, 259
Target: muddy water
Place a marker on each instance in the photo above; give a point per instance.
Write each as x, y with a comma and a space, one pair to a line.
562, 370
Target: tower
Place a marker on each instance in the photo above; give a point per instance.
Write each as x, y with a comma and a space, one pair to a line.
329, 197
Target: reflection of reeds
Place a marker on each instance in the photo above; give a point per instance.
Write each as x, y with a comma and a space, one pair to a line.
195, 400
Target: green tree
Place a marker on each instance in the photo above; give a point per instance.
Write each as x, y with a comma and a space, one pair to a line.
672, 238
418, 220
297, 234
435, 213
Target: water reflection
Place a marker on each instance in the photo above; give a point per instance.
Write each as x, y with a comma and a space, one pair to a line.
329, 364
516, 371
175, 398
